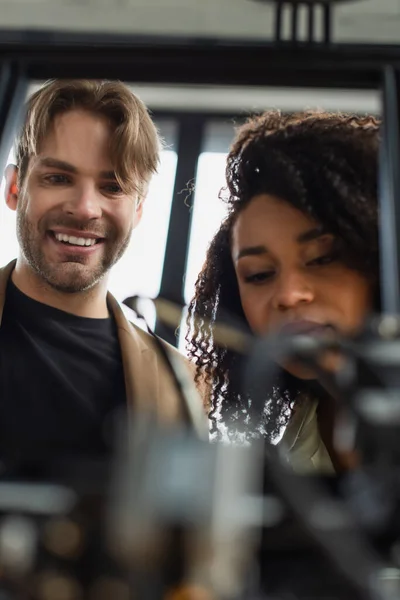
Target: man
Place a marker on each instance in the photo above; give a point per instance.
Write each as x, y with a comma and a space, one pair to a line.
69, 359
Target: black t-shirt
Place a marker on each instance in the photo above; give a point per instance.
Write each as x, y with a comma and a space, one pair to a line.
61, 381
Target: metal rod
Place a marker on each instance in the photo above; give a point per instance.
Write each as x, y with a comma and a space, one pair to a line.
311, 22
327, 22
295, 15
389, 195
190, 140
278, 21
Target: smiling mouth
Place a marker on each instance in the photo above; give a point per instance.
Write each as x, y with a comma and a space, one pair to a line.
73, 241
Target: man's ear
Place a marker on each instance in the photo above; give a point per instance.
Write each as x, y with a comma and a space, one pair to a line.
11, 189
138, 210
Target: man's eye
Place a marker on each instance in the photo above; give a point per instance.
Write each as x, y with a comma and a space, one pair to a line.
57, 179
259, 277
112, 188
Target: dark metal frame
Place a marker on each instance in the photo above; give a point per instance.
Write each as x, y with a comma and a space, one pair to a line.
190, 137
189, 144
25, 56
208, 61
312, 14
389, 190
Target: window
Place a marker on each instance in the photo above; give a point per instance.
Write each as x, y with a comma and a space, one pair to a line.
139, 270
208, 209
8, 236
208, 213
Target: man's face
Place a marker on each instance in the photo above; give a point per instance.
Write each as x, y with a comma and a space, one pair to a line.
73, 220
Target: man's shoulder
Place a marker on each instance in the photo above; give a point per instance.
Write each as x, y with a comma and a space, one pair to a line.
148, 340
124, 320
5, 274
5, 270
180, 364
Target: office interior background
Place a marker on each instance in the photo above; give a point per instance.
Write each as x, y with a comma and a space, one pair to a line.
197, 125
183, 209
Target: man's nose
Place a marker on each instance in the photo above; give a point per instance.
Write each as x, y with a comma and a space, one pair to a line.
84, 203
293, 288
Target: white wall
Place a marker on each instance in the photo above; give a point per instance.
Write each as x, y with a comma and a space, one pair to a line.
360, 20
240, 99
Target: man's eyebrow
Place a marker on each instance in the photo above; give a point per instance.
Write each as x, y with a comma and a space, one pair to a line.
108, 175
251, 251
55, 163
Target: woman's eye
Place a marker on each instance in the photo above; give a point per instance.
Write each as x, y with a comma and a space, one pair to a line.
326, 259
259, 277
57, 179
112, 188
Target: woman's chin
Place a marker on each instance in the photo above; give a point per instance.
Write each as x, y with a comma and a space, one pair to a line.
330, 362
300, 371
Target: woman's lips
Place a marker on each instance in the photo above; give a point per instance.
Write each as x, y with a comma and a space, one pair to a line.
305, 328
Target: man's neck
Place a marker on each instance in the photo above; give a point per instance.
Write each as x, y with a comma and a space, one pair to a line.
91, 304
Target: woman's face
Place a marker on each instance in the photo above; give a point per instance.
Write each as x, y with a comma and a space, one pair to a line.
289, 276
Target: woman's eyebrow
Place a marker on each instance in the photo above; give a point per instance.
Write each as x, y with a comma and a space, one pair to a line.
302, 238
310, 235
251, 251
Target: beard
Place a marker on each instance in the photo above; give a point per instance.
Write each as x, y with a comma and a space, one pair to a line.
77, 273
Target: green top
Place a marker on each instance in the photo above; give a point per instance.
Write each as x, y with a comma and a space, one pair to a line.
301, 443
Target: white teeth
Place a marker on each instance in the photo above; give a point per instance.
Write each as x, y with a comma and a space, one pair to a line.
70, 239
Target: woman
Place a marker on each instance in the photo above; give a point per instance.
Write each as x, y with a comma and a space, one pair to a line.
297, 253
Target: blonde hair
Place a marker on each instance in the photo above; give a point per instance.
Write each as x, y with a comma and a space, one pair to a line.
135, 143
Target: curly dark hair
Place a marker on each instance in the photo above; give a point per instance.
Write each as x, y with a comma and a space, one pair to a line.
325, 165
